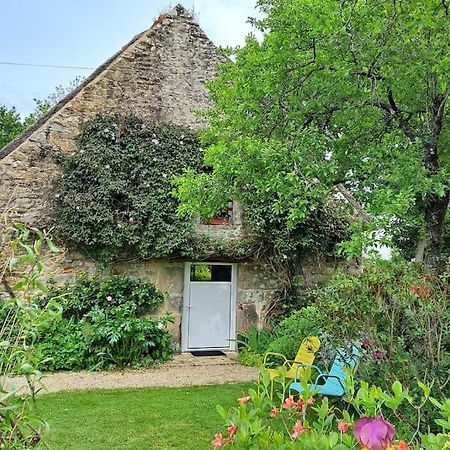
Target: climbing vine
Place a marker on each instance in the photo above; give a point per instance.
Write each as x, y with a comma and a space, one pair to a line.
114, 193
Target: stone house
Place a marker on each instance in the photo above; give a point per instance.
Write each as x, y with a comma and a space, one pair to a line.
159, 75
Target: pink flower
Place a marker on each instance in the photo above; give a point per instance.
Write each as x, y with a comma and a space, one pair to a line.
243, 400
232, 430
374, 434
343, 427
219, 441
273, 412
290, 403
310, 401
378, 354
297, 430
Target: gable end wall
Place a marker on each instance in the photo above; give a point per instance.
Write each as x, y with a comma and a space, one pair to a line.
160, 76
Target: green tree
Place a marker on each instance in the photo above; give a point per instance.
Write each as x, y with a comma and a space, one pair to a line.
11, 125
349, 93
59, 92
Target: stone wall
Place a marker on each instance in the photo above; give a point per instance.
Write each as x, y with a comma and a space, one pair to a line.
255, 286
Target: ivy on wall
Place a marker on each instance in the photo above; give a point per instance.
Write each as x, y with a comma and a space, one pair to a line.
114, 194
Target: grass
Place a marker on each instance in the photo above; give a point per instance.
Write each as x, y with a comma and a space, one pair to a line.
153, 418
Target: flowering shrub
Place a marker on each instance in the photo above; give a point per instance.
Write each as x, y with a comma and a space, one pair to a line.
400, 311
361, 421
115, 191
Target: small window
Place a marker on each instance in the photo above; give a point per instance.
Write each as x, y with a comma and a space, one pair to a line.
223, 217
210, 272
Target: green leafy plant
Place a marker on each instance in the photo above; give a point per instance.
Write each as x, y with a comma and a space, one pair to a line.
293, 329
115, 190
61, 342
400, 311
117, 337
23, 251
309, 422
334, 94
104, 323
86, 293
253, 343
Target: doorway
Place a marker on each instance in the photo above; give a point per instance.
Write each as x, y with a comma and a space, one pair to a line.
209, 318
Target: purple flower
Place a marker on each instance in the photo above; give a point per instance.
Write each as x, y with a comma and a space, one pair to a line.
378, 354
374, 434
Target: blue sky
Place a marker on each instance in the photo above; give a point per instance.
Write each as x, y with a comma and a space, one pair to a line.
87, 32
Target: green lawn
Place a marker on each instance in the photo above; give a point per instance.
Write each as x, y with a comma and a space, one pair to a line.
153, 418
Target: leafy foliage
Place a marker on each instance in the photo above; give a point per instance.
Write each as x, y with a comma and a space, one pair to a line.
23, 252
115, 191
337, 92
11, 125
253, 343
293, 329
403, 312
61, 343
117, 337
88, 293
308, 422
399, 311
103, 324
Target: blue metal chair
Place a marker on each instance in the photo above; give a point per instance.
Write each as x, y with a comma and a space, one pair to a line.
332, 383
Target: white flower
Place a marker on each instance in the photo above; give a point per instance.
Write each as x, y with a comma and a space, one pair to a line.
155, 141
160, 326
109, 298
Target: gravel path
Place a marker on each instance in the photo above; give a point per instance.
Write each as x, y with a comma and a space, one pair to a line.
183, 370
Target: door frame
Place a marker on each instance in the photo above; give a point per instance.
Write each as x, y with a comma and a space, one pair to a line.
185, 312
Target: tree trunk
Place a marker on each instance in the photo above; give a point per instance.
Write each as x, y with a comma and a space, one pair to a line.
434, 213
420, 250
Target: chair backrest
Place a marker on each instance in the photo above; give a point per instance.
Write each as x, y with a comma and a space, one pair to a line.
344, 360
306, 353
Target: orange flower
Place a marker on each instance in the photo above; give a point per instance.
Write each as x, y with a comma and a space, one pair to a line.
219, 441
243, 400
297, 430
402, 445
232, 430
343, 427
420, 290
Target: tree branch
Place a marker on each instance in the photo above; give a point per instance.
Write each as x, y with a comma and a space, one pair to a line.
356, 205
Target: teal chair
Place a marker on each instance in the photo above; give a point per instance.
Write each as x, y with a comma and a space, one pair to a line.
332, 383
